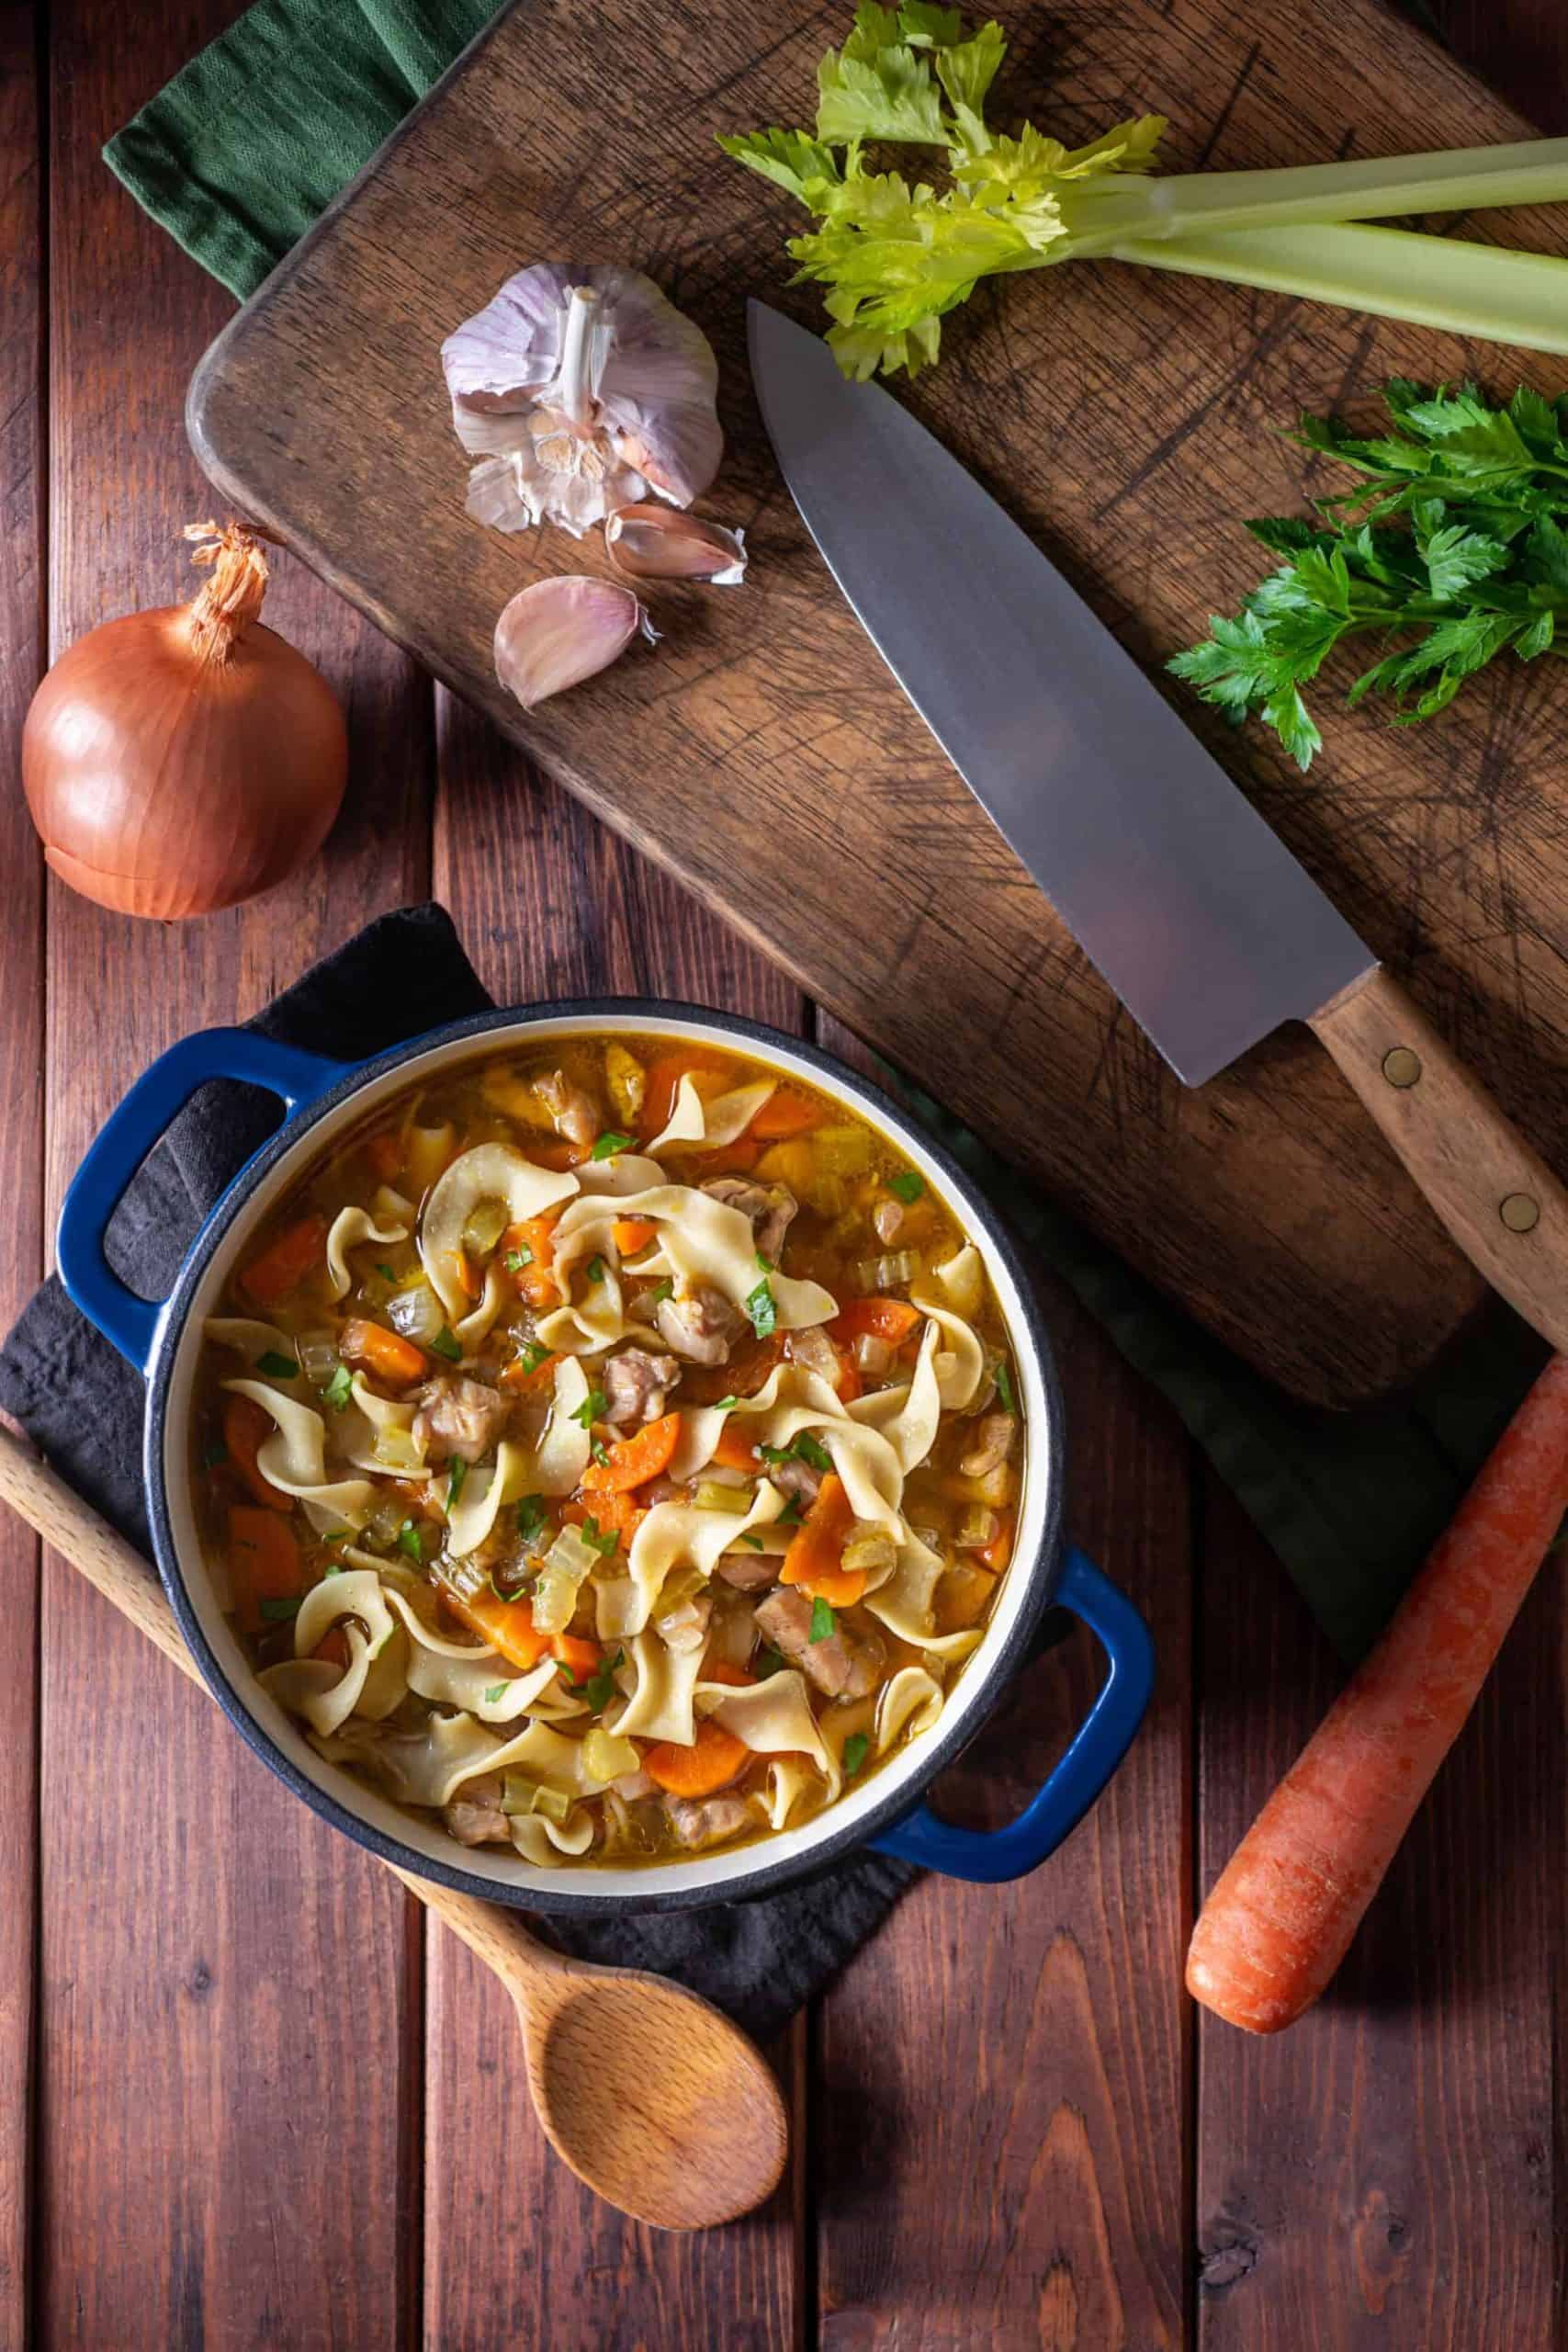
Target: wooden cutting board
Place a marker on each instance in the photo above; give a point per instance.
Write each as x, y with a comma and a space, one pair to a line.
1130, 421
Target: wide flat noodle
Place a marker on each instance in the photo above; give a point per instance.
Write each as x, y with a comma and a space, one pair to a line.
904, 1604
907, 1705
542, 1841
773, 1718
623, 1172
475, 1326
486, 1493
789, 1778
364, 1420
705, 1125
355, 1592
703, 1240
563, 1453
963, 1280
676, 1535
350, 1228
481, 1686
490, 1172
594, 1319
661, 1706
371, 1684
293, 1459
317, 1691
907, 1418
251, 1339
961, 1365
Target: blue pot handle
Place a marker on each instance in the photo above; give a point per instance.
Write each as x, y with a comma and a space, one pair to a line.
1102, 1740
127, 1137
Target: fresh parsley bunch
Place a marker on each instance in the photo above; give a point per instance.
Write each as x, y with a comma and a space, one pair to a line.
1450, 547
895, 255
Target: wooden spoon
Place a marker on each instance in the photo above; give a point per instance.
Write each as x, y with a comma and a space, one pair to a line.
647, 2092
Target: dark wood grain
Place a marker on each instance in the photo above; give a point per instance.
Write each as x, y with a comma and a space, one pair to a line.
550, 904
1000, 2065
1385, 2172
22, 495
230, 1996
1131, 420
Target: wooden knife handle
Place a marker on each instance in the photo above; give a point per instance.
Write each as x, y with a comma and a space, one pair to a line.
1498, 1198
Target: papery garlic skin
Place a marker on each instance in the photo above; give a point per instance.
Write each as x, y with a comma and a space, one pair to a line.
576, 408
656, 543
557, 632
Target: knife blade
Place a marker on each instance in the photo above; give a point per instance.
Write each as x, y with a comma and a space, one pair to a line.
1188, 903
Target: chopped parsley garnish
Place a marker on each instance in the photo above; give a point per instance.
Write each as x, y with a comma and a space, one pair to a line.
605, 1542
765, 1264
666, 1289
752, 1543
213, 1455
600, 1687
532, 1514
599, 1450
279, 1612
907, 1186
608, 1144
790, 1515
445, 1345
385, 1271
1004, 1387
339, 1390
410, 1541
278, 1367
533, 1356
509, 1593
515, 1259
454, 1482
596, 1269
593, 1408
802, 1447
763, 1307
495, 1694
823, 1624
727, 1404
768, 1664
855, 1749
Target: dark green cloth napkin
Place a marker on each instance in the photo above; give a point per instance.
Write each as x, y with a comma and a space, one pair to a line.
235, 159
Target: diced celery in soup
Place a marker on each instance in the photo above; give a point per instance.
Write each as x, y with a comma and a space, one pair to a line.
614, 1451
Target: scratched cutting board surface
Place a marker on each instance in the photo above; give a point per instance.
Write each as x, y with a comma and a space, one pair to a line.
1130, 422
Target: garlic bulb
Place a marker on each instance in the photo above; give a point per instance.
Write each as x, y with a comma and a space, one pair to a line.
655, 543
559, 631
582, 390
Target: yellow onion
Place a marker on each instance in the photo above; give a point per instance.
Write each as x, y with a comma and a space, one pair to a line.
181, 760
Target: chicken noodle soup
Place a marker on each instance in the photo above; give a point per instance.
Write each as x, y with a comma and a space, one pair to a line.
615, 1452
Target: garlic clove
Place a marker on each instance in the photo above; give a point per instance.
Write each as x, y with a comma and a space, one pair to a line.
558, 632
664, 543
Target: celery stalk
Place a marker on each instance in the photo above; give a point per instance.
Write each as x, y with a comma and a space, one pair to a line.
1382, 187
1487, 291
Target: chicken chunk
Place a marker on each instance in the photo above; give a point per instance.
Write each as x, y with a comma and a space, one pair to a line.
700, 1323
576, 1113
475, 1817
844, 1666
706, 1820
993, 1442
457, 1416
636, 1383
770, 1208
747, 1571
796, 1479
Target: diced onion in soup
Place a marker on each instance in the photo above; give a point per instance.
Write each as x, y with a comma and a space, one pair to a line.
606, 1758
872, 1356
870, 1549
521, 1795
416, 1312
485, 1226
561, 1573
718, 1493
815, 1350
317, 1352
894, 1272
977, 1527
399, 1452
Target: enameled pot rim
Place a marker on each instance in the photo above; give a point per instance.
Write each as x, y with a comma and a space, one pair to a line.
763, 1874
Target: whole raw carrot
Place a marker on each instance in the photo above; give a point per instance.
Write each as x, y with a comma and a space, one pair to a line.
1289, 1901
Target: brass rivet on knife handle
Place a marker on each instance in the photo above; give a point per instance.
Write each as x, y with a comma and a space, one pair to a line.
1497, 1197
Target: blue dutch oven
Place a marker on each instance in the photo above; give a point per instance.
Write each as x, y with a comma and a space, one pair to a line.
323, 1099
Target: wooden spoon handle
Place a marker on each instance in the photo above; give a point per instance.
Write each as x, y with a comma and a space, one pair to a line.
41, 1496
1498, 1198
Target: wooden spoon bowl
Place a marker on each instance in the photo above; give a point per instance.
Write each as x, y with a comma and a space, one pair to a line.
646, 2091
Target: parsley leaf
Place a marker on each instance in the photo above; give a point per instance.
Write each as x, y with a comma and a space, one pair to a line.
823, 1624
855, 1749
515, 1259
278, 1367
907, 1186
752, 1543
662, 1291
790, 1515
385, 1271
762, 1308
1447, 549
596, 1270
770, 1663
277, 1612
727, 1404
532, 1514
609, 1143
494, 1695
600, 1689
593, 1408
1005, 1387
599, 1450
802, 1447
605, 1543
458, 1472
339, 1390
533, 1356
410, 1541
445, 1345
213, 1455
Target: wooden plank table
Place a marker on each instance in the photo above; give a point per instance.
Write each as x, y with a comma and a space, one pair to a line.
248, 2097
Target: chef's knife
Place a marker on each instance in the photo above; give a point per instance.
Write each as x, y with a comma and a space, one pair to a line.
1192, 909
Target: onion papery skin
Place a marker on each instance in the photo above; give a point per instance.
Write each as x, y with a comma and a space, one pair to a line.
166, 786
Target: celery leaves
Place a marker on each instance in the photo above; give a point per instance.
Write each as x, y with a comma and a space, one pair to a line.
897, 253
1452, 549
